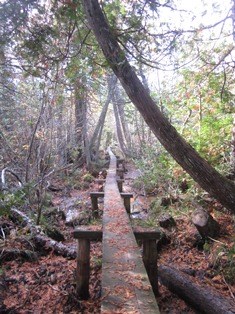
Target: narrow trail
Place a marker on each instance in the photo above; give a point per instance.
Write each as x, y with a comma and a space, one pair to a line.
48, 286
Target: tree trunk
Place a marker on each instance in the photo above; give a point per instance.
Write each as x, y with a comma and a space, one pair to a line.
120, 136
123, 123
80, 122
202, 299
206, 176
233, 148
95, 140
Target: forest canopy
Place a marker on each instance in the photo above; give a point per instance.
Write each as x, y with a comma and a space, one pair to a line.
56, 84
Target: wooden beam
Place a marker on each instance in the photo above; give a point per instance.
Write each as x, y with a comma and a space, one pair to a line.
92, 235
150, 262
119, 182
83, 269
120, 173
148, 237
87, 234
95, 195
121, 162
94, 205
101, 194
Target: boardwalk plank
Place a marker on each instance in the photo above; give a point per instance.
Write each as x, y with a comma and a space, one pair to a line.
125, 284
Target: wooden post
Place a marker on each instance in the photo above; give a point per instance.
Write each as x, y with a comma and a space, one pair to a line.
150, 262
95, 208
83, 269
121, 162
127, 204
120, 173
119, 183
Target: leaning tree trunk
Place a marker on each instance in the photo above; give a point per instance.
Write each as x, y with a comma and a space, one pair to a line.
207, 177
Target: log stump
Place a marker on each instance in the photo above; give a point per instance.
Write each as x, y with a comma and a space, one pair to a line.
166, 221
206, 225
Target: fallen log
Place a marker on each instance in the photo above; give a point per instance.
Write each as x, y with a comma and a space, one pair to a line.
52, 245
203, 299
41, 240
12, 254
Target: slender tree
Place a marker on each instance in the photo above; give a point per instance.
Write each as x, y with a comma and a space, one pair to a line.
96, 136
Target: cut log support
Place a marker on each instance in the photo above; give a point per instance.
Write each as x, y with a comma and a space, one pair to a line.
205, 223
94, 200
119, 182
94, 205
120, 173
121, 163
127, 201
205, 300
150, 263
83, 268
148, 237
84, 237
120, 185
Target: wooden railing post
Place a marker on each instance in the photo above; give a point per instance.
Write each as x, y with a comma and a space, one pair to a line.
95, 208
127, 204
119, 183
150, 262
120, 173
83, 269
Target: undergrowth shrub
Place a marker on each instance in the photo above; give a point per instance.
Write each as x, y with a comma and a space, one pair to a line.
11, 199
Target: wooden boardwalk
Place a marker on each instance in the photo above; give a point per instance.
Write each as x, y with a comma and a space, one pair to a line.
125, 284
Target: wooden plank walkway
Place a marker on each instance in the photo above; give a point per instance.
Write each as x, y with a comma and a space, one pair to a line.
125, 284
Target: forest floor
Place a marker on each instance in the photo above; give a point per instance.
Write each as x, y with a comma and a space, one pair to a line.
47, 284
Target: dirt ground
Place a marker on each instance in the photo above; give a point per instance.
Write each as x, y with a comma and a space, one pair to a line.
47, 284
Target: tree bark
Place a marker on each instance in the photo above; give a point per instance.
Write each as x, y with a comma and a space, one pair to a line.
124, 125
95, 140
120, 137
206, 176
202, 299
81, 123
233, 145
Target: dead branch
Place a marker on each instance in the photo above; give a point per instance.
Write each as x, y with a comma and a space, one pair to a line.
3, 178
41, 240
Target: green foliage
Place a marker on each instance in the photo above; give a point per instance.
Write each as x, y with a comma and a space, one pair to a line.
11, 199
155, 207
88, 177
96, 261
224, 262
202, 111
156, 168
